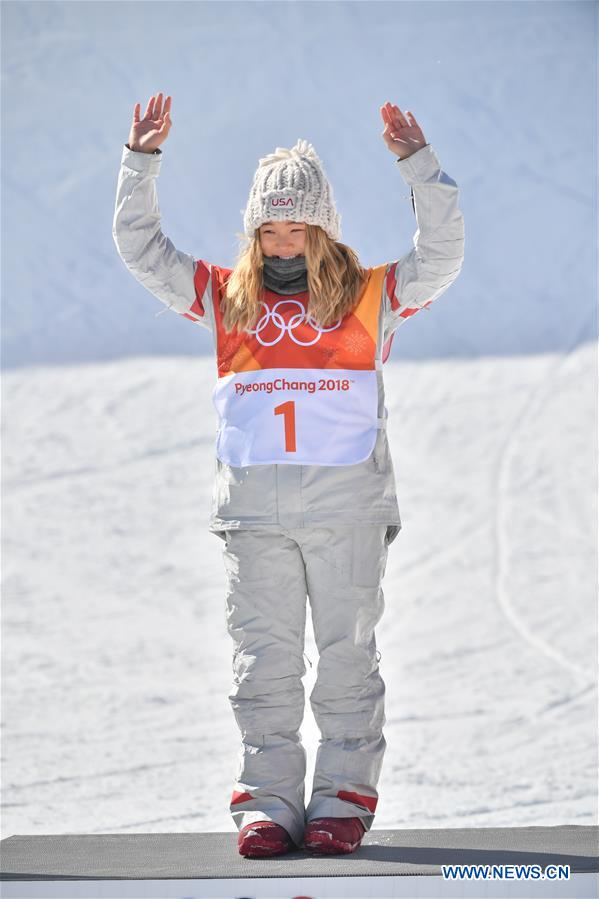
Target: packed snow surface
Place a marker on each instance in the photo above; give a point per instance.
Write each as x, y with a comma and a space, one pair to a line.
117, 663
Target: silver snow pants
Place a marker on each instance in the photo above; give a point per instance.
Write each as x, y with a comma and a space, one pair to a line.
270, 573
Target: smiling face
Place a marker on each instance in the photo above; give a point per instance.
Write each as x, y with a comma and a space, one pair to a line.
283, 239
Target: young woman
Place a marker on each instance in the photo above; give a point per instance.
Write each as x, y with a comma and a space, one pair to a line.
304, 495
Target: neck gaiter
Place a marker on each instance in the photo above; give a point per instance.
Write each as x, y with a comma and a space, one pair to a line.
286, 276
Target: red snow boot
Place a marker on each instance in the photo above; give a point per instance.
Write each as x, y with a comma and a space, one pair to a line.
263, 839
334, 836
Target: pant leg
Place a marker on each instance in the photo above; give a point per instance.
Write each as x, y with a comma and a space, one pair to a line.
344, 569
266, 617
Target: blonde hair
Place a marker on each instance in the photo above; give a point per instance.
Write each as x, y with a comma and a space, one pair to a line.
335, 278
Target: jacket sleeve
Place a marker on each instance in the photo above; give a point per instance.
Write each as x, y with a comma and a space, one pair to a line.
181, 282
422, 275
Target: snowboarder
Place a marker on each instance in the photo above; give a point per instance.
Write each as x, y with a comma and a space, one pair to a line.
304, 493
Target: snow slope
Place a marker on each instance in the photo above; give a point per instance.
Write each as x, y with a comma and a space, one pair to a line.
117, 660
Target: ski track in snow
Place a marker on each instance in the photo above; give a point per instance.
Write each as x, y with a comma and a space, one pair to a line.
535, 399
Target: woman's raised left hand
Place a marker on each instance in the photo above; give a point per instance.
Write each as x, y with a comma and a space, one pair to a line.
402, 133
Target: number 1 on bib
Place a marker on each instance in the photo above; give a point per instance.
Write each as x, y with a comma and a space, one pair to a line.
288, 411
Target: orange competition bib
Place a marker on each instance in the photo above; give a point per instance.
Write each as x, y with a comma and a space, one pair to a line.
289, 392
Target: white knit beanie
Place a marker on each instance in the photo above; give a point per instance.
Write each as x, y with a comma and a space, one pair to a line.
291, 185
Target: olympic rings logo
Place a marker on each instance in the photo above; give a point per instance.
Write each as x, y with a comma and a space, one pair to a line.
294, 322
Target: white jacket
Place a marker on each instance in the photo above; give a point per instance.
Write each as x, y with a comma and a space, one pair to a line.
289, 495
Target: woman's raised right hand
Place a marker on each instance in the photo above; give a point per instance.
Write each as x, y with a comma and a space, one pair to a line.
148, 133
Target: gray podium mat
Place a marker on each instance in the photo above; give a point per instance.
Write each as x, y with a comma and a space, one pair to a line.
152, 856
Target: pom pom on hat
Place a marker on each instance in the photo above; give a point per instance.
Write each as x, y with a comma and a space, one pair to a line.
291, 185
301, 148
